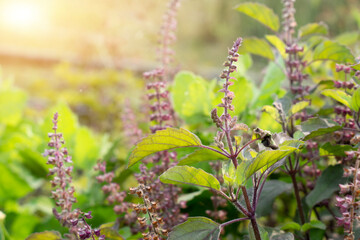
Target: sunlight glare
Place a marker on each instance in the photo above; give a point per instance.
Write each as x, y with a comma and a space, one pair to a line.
21, 15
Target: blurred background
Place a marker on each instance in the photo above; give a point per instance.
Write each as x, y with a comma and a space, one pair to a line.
84, 58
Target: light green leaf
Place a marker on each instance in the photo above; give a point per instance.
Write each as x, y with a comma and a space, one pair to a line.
189, 175
313, 224
338, 95
48, 235
355, 100
277, 43
348, 38
201, 155
199, 228
110, 233
166, 139
266, 159
313, 29
326, 185
314, 127
329, 149
86, 150
291, 226
192, 97
261, 13
12, 105
333, 51
273, 112
299, 106
258, 47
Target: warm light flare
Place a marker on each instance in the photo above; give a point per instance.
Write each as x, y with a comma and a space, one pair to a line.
21, 15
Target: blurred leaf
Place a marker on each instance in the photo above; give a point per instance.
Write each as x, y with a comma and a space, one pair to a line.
67, 124
291, 226
299, 106
355, 100
243, 91
313, 29
189, 196
261, 13
192, 97
23, 225
258, 47
314, 127
273, 112
264, 235
48, 235
313, 224
326, 185
338, 95
166, 139
329, 50
334, 150
277, 43
110, 233
267, 158
270, 86
189, 175
86, 150
201, 155
199, 228
12, 105
11, 181
271, 190
348, 38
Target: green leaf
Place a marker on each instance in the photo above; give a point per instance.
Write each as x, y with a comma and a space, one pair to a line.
313, 29
314, 127
201, 155
189, 175
299, 106
273, 112
192, 97
271, 190
12, 105
313, 224
166, 139
261, 13
264, 235
355, 100
326, 185
277, 43
266, 159
291, 226
338, 95
199, 228
48, 235
110, 233
87, 149
334, 150
258, 47
333, 51
348, 38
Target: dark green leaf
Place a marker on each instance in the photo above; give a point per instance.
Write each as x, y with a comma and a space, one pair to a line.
291, 226
166, 139
314, 127
189, 175
326, 185
197, 228
313, 224
334, 150
261, 13
271, 190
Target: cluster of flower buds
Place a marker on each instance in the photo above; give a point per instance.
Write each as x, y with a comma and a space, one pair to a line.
229, 95
345, 85
161, 108
151, 208
64, 192
130, 126
167, 33
111, 189
348, 203
289, 23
